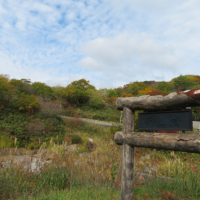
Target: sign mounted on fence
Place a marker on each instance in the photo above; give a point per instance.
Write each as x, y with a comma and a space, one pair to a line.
159, 120
180, 120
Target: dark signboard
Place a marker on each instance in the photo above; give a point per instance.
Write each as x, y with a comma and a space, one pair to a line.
179, 120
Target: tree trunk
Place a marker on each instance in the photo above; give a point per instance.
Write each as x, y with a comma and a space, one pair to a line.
165, 141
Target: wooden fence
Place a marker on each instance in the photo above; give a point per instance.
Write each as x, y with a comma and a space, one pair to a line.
166, 141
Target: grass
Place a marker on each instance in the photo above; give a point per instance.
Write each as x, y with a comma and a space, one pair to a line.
108, 115
93, 171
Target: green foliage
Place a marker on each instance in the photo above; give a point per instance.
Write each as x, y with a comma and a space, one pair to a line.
112, 93
96, 103
31, 145
76, 95
100, 94
76, 139
6, 141
43, 90
20, 144
14, 123
163, 86
26, 102
5, 89
136, 120
22, 86
196, 87
133, 88
114, 129
58, 92
114, 170
83, 84
182, 83
26, 128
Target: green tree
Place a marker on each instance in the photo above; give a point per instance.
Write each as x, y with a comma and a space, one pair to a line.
163, 86
43, 90
6, 92
22, 86
77, 93
112, 93
83, 84
182, 83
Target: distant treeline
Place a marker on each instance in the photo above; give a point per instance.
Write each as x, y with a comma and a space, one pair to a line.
25, 96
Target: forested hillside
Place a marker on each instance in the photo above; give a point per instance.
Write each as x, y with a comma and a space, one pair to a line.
29, 110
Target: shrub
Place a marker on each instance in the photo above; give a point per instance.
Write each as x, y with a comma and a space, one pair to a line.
26, 102
31, 146
96, 103
35, 127
51, 108
115, 129
76, 139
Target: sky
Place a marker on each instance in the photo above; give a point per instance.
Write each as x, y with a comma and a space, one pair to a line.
110, 43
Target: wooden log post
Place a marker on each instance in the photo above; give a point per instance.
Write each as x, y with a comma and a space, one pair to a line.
127, 157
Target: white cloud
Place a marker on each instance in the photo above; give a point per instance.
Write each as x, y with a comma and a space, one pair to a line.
126, 52
114, 42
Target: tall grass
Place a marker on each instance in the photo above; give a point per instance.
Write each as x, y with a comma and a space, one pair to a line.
93, 170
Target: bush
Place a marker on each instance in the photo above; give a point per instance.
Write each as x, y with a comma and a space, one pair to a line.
51, 108
96, 103
76, 139
31, 146
115, 129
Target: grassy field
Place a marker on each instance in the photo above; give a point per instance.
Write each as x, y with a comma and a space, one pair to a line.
93, 170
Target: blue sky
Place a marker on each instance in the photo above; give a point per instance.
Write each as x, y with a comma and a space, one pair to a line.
108, 42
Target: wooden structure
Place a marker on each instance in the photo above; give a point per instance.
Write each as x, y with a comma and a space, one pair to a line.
166, 141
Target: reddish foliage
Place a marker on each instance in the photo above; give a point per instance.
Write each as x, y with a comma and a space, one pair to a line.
166, 131
167, 195
155, 92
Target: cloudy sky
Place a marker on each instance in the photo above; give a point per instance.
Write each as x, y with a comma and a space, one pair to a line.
108, 42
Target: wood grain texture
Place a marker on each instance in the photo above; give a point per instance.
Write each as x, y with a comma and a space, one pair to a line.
165, 141
127, 157
172, 101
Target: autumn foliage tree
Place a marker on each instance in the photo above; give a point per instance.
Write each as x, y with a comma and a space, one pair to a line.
135, 87
126, 95
145, 91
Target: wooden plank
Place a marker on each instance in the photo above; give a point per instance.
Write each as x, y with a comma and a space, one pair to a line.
127, 157
165, 141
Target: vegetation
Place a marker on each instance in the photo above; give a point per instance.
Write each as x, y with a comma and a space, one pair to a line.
30, 119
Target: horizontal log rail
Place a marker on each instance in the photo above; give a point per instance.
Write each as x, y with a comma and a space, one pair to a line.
165, 141
172, 101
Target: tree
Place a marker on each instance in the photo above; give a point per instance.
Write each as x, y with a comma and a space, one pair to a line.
146, 91
77, 92
112, 93
6, 92
76, 95
43, 90
22, 86
182, 83
126, 95
163, 86
133, 88
83, 84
